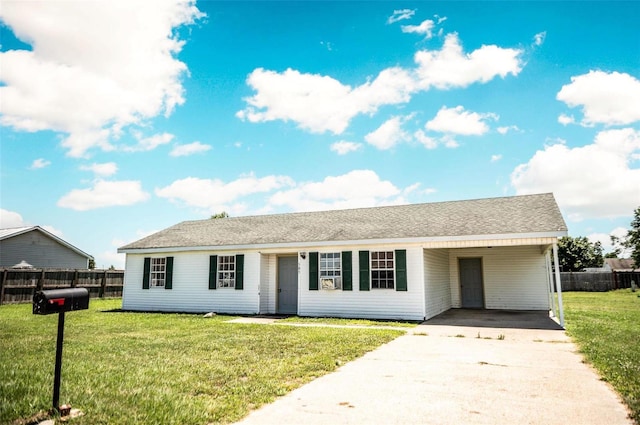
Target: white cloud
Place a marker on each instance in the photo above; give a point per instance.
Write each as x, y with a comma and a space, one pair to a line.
606, 98
605, 240
539, 38
104, 194
189, 149
215, 195
358, 188
39, 163
10, 219
506, 129
111, 257
458, 121
412, 188
440, 19
149, 143
592, 181
91, 86
450, 67
401, 14
565, 119
389, 134
53, 230
496, 158
343, 147
104, 170
449, 141
79, 142
320, 103
424, 28
427, 141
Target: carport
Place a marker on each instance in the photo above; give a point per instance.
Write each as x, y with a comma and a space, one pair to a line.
502, 319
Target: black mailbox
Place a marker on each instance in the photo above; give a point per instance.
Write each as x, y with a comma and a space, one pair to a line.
60, 300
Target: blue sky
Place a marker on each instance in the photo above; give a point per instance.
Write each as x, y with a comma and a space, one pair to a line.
119, 119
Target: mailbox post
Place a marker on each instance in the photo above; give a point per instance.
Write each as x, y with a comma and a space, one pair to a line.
59, 301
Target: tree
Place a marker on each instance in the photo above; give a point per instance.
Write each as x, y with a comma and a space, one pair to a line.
633, 237
575, 254
631, 241
92, 263
222, 214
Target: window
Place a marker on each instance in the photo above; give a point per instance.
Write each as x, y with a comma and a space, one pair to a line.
330, 270
382, 270
226, 271
158, 269
157, 273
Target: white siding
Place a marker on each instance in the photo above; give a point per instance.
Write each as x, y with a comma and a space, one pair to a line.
375, 303
515, 278
268, 283
437, 289
191, 291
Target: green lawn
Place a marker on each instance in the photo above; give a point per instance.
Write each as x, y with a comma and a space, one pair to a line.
606, 327
142, 368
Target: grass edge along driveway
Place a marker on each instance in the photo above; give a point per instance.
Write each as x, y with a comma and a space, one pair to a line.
130, 368
606, 328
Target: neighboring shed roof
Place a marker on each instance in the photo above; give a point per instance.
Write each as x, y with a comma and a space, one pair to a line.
509, 215
620, 264
16, 231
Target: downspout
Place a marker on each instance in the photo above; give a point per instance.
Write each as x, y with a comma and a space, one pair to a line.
558, 282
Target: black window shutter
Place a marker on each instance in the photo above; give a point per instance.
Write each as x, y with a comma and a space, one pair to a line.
364, 270
401, 270
240, 271
347, 274
313, 271
146, 273
213, 271
168, 274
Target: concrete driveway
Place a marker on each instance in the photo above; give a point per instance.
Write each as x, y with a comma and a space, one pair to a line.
485, 371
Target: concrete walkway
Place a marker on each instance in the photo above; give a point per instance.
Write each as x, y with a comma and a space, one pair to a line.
443, 374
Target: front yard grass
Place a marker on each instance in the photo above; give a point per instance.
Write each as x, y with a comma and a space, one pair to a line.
606, 327
128, 368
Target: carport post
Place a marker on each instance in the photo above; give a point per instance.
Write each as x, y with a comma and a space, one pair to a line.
552, 301
556, 262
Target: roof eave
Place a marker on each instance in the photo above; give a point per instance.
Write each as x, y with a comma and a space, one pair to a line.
310, 244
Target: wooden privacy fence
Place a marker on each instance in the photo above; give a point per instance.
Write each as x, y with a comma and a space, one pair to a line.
598, 281
17, 285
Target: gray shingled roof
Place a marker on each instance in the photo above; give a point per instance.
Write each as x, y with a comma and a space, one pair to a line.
509, 215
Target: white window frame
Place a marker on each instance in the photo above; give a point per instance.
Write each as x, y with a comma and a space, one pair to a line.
158, 272
226, 273
378, 265
330, 270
